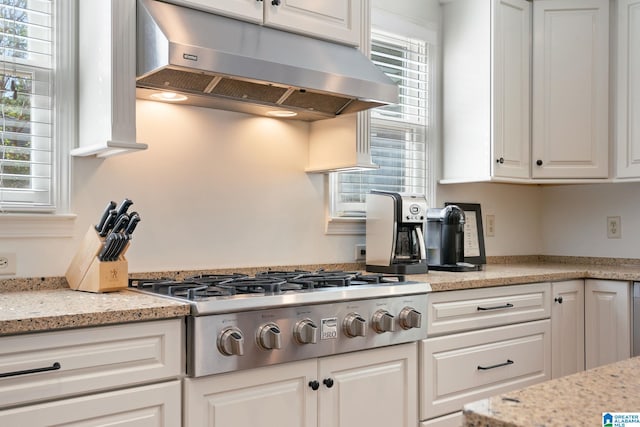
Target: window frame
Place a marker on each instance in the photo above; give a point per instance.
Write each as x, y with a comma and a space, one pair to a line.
429, 31
58, 222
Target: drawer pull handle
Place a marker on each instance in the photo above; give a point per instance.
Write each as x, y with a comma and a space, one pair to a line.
485, 368
498, 307
53, 367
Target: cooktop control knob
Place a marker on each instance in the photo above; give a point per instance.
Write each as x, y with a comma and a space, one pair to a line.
383, 321
305, 332
354, 325
269, 337
410, 318
231, 342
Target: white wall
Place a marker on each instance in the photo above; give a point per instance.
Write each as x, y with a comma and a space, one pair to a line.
214, 189
574, 220
218, 189
517, 210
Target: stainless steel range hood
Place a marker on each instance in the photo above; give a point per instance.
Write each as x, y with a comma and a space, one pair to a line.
228, 64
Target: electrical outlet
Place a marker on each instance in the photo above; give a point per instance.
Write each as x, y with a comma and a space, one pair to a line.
491, 225
7, 264
361, 252
614, 227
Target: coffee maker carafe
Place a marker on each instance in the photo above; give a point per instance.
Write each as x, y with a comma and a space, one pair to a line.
445, 239
395, 233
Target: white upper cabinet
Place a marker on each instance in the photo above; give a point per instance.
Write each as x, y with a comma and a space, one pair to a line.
511, 88
628, 89
570, 89
525, 90
336, 20
486, 89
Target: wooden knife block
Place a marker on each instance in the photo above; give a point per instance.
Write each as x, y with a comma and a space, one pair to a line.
87, 273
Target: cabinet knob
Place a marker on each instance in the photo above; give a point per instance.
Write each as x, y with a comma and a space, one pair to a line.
328, 382
314, 385
539, 162
558, 300
500, 160
275, 2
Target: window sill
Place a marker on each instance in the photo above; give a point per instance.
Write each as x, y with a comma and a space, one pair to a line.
346, 226
36, 225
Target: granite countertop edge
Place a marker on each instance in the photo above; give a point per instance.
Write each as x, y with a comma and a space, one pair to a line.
45, 304
578, 399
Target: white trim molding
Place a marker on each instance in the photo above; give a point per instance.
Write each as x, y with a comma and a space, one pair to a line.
36, 226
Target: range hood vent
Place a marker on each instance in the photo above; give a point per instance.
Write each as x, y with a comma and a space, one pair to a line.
227, 64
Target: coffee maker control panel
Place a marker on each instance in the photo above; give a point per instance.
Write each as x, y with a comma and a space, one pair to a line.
413, 211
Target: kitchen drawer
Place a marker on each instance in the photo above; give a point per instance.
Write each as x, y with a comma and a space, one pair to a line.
88, 360
451, 420
464, 310
150, 405
461, 368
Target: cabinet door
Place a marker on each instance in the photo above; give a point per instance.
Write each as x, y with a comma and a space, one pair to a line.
337, 20
155, 405
460, 368
375, 388
570, 89
607, 322
628, 90
89, 360
512, 88
567, 328
277, 395
247, 10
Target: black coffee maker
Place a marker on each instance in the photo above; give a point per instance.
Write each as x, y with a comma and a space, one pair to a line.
445, 240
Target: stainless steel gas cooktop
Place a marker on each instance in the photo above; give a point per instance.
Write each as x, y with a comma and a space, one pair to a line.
239, 322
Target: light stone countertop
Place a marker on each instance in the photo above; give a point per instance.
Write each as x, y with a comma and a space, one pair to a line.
573, 400
512, 274
32, 311
40, 304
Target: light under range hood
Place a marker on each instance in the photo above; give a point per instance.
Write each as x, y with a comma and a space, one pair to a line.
228, 64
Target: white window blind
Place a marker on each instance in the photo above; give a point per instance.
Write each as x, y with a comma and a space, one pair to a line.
398, 132
26, 105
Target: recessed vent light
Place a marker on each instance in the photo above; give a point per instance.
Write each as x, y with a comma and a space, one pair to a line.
281, 113
168, 97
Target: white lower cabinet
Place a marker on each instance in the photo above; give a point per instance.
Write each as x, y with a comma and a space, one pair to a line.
464, 367
121, 375
567, 328
450, 420
607, 322
147, 406
373, 388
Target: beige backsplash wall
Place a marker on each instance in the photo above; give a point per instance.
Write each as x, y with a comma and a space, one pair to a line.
574, 220
517, 210
218, 189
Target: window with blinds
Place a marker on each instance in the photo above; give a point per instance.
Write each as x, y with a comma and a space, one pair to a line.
26, 92
398, 132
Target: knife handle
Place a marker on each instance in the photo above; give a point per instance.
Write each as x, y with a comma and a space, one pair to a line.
121, 223
107, 247
105, 215
134, 219
108, 224
124, 206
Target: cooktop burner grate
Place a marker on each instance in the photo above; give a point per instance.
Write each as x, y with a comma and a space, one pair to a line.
268, 282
